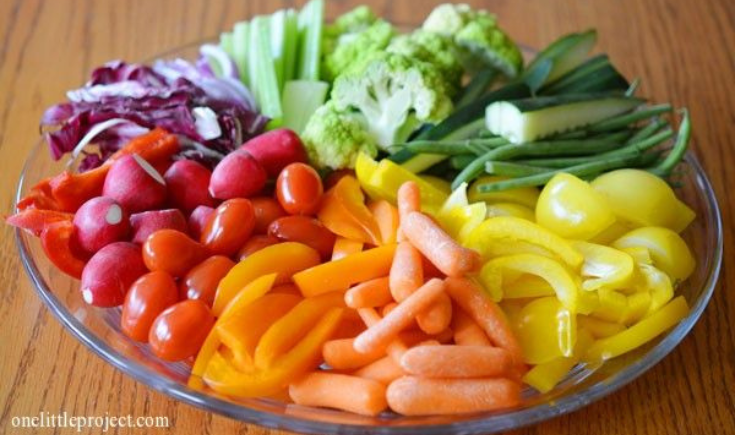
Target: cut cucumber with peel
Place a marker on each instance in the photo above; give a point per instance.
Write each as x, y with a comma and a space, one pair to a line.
566, 53
527, 120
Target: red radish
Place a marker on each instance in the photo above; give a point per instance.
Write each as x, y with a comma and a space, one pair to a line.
238, 175
148, 222
187, 183
276, 149
99, 222
110, 272
135, 184
198, 220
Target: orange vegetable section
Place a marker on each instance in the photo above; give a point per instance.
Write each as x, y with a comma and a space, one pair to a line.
382, 325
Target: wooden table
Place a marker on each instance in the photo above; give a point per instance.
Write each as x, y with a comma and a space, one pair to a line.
683, 51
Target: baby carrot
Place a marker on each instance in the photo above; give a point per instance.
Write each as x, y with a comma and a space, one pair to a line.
409, 200
382, 333
411, 395
448, 361
372, 293
388, 308
332, 390
437, 317
468, 295
466, 331
340, 354
386, 215
384, 370
448, 256
396, 347
406, 272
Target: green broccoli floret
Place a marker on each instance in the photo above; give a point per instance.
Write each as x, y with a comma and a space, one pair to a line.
352, 38
434, 48
480, 41
395, 94
333, 138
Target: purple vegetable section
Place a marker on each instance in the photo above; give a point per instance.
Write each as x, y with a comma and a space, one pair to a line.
163, 95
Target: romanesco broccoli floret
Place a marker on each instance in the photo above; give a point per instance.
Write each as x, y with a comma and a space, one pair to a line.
333, 138
352, 38
395, 94
480, 41
434, 48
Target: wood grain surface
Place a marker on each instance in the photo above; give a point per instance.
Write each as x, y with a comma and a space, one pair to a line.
683, 50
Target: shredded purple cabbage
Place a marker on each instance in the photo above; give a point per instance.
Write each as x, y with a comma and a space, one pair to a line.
163, 95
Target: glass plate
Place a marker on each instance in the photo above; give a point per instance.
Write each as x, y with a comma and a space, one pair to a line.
99, 330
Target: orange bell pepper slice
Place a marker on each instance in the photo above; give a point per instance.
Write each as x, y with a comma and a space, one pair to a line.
242, 330
291, 328
386, 216
340, 274
224, 378
344, 247
284, 259
249, 294
344, 212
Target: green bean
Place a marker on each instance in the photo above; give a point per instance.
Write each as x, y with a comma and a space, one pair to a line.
629, 118
664, 168
647, 131
461, 161
582, 170
633, 87
513, 169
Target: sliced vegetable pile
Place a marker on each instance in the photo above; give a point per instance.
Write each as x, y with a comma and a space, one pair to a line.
342, 216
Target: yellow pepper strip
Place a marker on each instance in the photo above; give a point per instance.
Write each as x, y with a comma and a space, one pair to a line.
526, 196
599, 328
638, 305
382, 180
292, 327
544, 377
340, 274
510, 209
546, 330
242, 331
507, 228
245, 297
440, 183
640, 254
640, 333
549, 270
527, 286
669, 251
285, 259
614, 306
657, 284
608, 267
224, 378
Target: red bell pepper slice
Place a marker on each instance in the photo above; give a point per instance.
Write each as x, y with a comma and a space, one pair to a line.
36, 220
56, 240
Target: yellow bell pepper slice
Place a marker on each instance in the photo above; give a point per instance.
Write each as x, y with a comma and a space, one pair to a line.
340, 274
241, 331
527, 286
224, 378
526, 196
599, 328
643, 199
510, 209
571, 208
292, 327
285, 259
604, 266
507, 229
440, 183
614, 306
544, 377
657, 284
640, 333
549, 270
669, 251
250, 293
545, 330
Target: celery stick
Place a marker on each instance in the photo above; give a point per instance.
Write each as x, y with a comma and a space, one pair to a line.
278, 43
265, 81
226, 43
311, 21
301, 98
291, 41
241, 50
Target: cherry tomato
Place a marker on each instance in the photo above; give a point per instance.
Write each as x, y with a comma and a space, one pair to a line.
173, 252
267, 210
305, 230
299, 189
229, 227
147, 298
202, 280
255, 244
180, 330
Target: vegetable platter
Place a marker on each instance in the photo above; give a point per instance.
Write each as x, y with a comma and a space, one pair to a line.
335, 226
